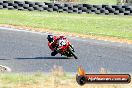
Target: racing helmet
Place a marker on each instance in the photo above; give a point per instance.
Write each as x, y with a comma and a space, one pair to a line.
50, 38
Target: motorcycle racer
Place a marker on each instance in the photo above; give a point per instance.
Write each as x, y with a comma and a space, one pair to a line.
53, 43
61, 45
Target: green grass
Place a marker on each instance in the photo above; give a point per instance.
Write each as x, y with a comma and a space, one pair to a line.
19, 78
99, 1
102, 25
11, 80
80, 1
42, 80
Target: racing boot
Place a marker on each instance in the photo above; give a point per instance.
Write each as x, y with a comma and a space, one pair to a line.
54, 53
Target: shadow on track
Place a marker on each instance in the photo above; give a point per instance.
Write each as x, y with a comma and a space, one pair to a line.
46, 58
4, 59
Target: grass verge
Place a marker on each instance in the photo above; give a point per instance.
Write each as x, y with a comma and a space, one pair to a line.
41, 80
57, 78
86, 24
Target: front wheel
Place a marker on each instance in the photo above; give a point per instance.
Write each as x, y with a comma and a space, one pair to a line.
73, 54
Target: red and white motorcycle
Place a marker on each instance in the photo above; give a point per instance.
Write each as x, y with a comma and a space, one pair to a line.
66, 49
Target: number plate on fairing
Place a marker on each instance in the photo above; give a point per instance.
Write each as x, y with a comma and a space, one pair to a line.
62, 42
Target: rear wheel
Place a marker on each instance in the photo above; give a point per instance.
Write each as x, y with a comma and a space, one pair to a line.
54, 53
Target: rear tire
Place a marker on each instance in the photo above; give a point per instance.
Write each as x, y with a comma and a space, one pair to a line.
54, 53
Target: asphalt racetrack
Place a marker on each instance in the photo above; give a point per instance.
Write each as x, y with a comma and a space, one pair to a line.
25, 51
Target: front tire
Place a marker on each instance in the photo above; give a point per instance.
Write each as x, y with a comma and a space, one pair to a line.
73, 54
